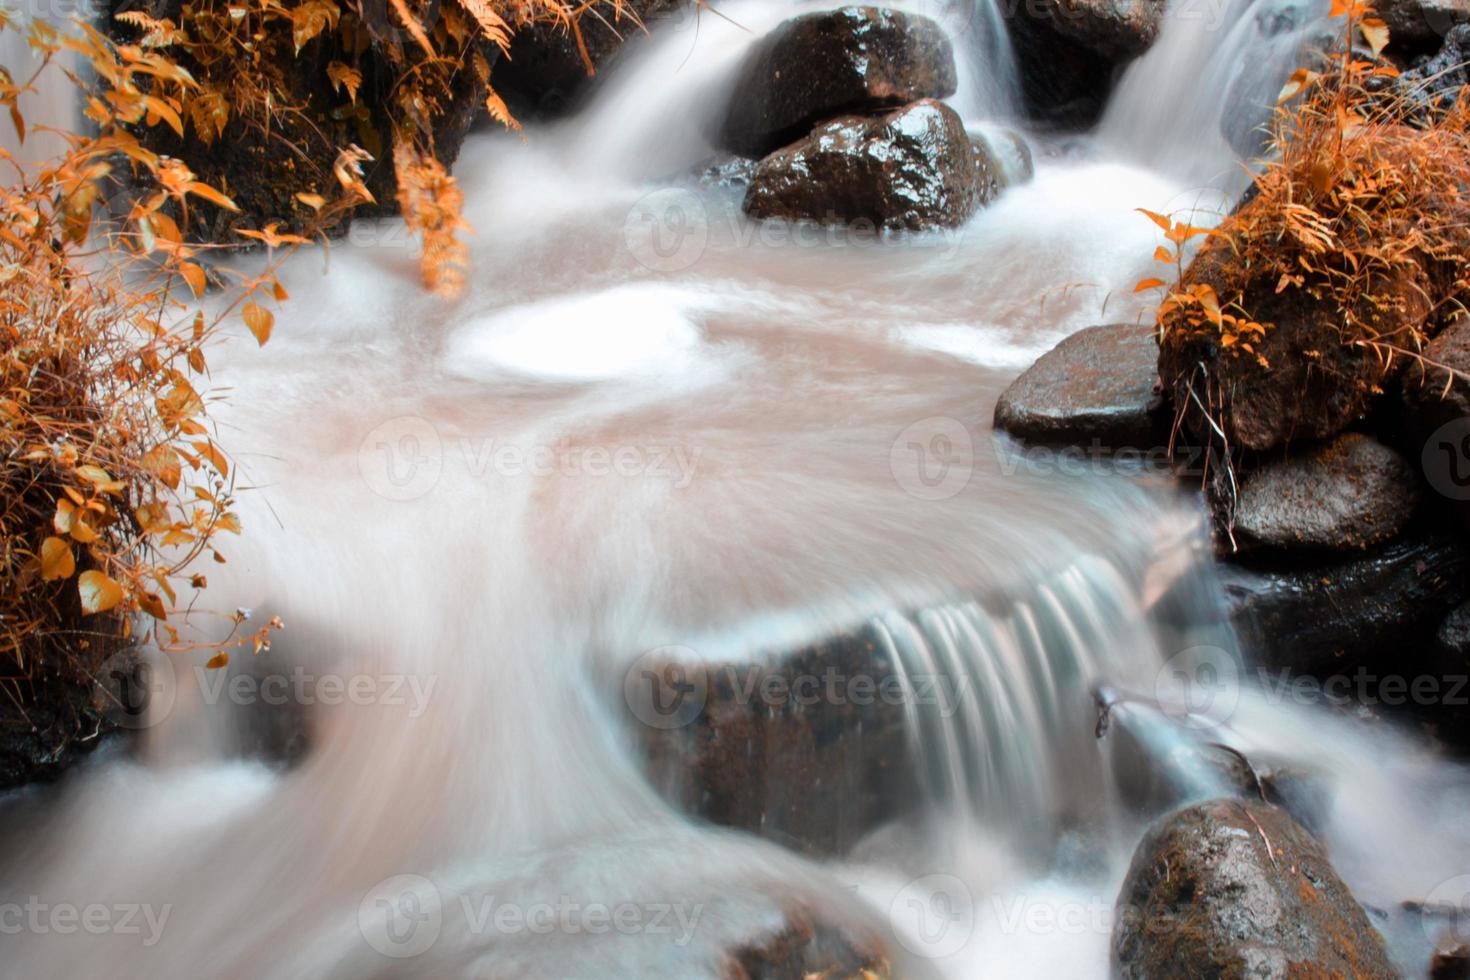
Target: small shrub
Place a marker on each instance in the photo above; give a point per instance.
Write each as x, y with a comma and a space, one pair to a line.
112, 485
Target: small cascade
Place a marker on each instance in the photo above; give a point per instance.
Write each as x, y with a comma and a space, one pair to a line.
1197, 102
684, 73
488, 509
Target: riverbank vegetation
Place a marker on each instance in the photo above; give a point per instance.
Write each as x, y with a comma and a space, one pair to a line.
114, 492
1345, 258
309, 113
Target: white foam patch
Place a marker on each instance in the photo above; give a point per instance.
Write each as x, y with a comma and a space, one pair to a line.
638, 329
985, 346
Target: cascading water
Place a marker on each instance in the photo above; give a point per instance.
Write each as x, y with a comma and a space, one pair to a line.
1201, 98
652, 424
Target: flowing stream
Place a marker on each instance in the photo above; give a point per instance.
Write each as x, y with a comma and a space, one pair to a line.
650, 424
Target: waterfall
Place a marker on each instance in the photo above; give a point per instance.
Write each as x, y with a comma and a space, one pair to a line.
479, 515
1198, 101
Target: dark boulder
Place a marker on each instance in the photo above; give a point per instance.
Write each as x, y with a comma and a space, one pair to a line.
1099, 384
1450, 964
1433, 83
850, 60
1345, 495
1420, 25
1321, 617
58, 725
1239, 889
772, 749
1070, 52
913, 169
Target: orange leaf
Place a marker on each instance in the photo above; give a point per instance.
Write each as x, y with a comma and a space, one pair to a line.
152, 605
163, 463
56, 560
259, 320
1375, 32
211, 195
99, 592
221, 659
194, 276
1156, 218
1146, 284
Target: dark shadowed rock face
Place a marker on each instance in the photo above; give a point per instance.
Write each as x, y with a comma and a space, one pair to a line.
59, 725
1417, 25
1437, 416
1239, 889
1070, 51
1330, 616
1433, 83
1346, 495
912, 169
1099, 384
545, 73
855, 59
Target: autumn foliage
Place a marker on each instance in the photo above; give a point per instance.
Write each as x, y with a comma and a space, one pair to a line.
115, 492
311, 111
1348, 254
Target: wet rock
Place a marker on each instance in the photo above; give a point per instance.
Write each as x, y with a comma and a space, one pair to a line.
1449, 664
815, 67
1009, 149
808, 749
1319, 617
913, 169
1099, 384
1453, 638
809, 946
58, 726
1239, 889
1433, 83
1346, 495
1070, 51
1450, 964
1420, 25
735, 172
545, 74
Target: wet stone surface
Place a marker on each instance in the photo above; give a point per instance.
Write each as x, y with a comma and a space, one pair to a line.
850, 60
